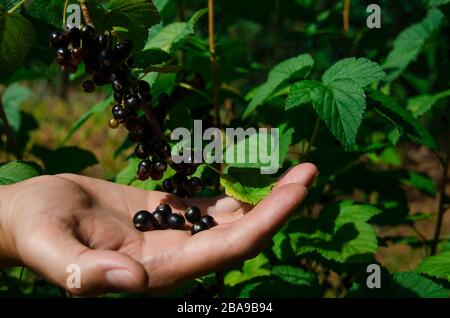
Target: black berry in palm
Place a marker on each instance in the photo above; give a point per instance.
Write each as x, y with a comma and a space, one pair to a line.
161, 219
198, 227
193, 214
175, 221
165, 208
143, 220
208, 220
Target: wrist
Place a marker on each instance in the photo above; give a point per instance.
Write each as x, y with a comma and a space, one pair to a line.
8, 256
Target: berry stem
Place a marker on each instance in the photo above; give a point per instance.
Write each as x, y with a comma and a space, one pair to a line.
85, 12
17, 6
8, 131
66, 4
154, 124
312, 139
213, 59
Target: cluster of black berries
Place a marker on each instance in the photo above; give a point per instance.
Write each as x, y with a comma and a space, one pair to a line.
201, 291
163, 218
110, 62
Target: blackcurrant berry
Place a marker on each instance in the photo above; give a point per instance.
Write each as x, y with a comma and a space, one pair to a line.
156, 175
106, 58
118, 97
87, 33
142, 176
132, 122
62, 55
144, 90
136, 135
113, 124
102, 41
88, 86
133, 103
161, 219
167, 185
77, 53
193, 214
57, 40
119, 113
123, 48
145, 166
179, 192
142, 150
143, 221
198, 227
74, 35
208, 220
160, 166
175, 221
194, 184
119, 86
165, 208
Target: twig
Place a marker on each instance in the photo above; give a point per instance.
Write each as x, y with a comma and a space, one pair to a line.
220, 285
213, 59
17, 6
194, 89
180, 7
440, 200
9, 133
346, 16
154, 124
312, 139
66, 4
85, 12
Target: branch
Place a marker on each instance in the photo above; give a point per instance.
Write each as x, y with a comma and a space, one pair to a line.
17, 6
440, 200
9, 133
213, 59
154, 124
85, 12
346, 16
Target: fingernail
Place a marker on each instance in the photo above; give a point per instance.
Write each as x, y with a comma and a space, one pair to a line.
120, 279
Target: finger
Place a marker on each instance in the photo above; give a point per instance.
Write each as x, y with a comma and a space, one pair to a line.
61, 259
303, 174
251, 232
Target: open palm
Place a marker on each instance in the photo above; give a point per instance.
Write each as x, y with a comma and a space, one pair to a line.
55, 221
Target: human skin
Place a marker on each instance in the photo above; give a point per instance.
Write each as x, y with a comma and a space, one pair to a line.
50, 222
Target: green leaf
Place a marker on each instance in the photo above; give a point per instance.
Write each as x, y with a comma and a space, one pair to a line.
66, 159
97, 108
179, 116
402, 119
362, 71
436, 266
341, 233
134, 16
151, 57
435, 3
410, 42
420, 181
172, 36
251, 269
246, 184
299, 93
293, 275
341, 106
17, 37
12, 99
401, 285
16, 171
422, 104
296, 67
285, 140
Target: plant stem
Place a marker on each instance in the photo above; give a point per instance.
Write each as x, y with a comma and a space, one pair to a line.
194, 89
440, 200
220, 285
180, 7
346, 16
9, 133
17, 6
66, 4
154, 124
85, 11
213, 59
312, 139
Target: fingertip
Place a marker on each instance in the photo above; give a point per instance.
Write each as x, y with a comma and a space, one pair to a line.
304, 173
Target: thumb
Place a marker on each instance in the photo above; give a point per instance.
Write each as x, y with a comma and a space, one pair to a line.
78, 269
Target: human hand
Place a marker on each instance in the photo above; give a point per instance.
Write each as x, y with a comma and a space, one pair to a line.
50, 222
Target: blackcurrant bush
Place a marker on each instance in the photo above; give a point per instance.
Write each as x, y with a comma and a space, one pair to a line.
175, 221
192, 214
198, 227
143, 221
161, 219
208, 220
88, 86
113, 124
142, 150
165, 208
